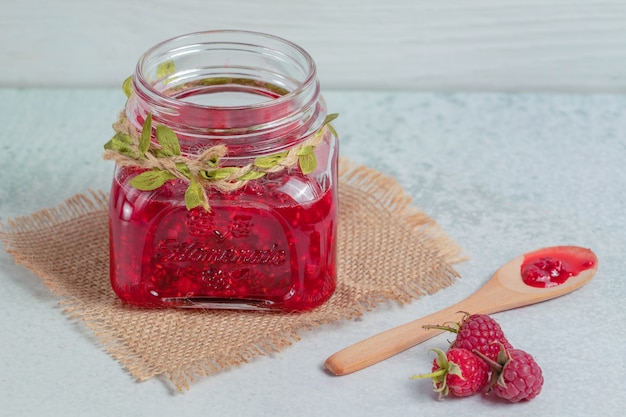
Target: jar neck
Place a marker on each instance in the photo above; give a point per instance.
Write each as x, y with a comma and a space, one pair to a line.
253, 92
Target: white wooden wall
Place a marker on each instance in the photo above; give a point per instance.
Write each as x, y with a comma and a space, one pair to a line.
505, 45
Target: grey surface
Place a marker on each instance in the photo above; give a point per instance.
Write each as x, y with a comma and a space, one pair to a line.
502, 173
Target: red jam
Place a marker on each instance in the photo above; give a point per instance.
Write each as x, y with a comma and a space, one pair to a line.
554, 266
257, 247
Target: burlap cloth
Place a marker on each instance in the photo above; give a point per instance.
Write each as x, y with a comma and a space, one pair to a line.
387, 250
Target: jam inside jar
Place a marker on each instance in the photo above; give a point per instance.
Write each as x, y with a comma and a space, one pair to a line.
268, 243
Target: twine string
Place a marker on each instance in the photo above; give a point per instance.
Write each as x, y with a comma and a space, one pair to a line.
203, 161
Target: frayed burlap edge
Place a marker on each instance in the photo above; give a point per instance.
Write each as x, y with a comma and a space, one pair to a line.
358, 184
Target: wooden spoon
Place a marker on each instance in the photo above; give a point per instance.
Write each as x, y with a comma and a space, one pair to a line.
504, 291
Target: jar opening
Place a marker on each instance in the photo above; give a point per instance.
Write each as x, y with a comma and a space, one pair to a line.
228, 82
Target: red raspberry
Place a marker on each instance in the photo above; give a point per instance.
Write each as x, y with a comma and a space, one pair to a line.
477, 332
520, 377
458, 372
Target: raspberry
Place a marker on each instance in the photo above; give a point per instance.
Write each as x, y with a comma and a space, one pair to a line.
458, 372
477, 332
520, 377
515, 375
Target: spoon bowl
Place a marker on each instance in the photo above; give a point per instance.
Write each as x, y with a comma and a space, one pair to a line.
505, 290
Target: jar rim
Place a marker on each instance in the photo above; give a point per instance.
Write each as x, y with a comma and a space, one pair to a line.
224, 36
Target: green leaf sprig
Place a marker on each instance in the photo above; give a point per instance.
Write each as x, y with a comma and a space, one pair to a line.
163, 70
163, 161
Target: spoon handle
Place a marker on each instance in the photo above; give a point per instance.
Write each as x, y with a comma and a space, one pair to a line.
390, 342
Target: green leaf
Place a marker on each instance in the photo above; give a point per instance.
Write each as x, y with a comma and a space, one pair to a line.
121, 143
276, 89
183, 169
165, 68
123, 138
218, 174
213, 162
251, 175
307, 162
168, 141
215, 81
194, 196
127, 86
327, 121
307, 159
329, 118
305, 150
151, 180
333, 131
146, 133
270, 161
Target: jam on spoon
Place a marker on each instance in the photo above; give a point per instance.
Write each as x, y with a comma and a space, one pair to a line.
549, 267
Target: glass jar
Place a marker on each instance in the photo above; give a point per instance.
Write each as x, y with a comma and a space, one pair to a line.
264, 237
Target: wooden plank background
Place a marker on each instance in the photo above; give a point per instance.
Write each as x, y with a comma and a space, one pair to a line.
460, 45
